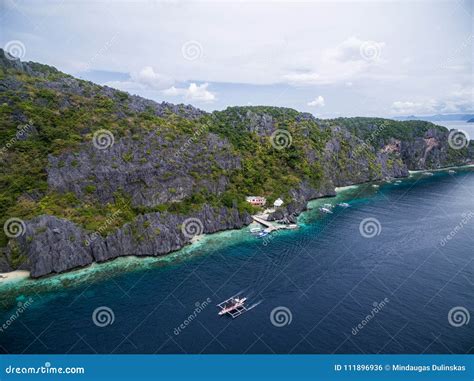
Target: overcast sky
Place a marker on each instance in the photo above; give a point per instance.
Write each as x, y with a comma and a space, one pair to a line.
330, 58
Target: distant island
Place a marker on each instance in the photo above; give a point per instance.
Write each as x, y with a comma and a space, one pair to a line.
471, 120
95, 173
439, 117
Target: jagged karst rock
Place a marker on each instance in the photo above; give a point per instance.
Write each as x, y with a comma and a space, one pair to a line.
55, 245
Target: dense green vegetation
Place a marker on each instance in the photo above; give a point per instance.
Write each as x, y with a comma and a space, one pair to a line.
266, 170
59, 113
378, 130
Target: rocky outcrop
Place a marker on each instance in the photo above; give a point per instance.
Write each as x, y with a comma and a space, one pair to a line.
430, 151
151, 171
176, 158
70, 87
54, 245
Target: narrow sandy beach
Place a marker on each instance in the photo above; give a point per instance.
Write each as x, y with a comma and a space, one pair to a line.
14, 275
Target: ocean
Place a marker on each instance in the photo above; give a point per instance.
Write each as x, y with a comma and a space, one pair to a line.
459, 125
392, 273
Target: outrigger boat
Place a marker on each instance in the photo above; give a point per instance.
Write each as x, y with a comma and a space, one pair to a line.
255, 231
326, 210
344, 205
233, 306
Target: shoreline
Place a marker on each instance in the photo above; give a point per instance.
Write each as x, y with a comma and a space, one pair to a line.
441, 169
130, 263
14, 276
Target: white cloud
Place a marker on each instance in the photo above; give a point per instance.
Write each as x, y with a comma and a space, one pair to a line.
415, 64
317, 102
197, 93
351, 59
412, 108
460, 100
355, 49
143, 80
148, 77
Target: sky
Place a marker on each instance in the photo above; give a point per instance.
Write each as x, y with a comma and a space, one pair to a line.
330, 58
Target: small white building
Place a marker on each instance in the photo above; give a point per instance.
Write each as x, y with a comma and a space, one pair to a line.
256, 200
278, 202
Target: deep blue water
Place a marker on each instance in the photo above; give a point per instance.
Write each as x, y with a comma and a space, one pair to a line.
326, 274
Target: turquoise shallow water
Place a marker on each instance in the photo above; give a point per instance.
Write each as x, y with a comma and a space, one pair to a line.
311, 288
